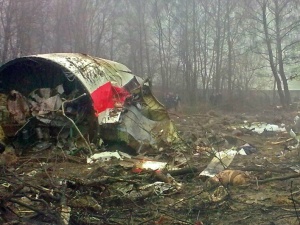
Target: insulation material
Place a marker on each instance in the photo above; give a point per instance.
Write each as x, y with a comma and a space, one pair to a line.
18, 106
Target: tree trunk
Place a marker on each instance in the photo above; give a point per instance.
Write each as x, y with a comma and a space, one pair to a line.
7, 30
218, 49
280, 58
229, 44
271, 55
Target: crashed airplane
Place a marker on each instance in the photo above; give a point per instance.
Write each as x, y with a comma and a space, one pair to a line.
76, 101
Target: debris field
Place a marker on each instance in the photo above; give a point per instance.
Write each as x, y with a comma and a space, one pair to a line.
77, 151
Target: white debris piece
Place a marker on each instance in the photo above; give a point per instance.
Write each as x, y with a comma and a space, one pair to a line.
103, 156
296, 119
220, 162
154, 165
260, 127
294, 131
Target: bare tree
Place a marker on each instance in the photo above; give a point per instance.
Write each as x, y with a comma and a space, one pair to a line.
278, 21
180, 44
7, 19
164, 40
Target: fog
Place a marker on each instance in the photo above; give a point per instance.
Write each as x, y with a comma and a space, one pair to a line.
206, 47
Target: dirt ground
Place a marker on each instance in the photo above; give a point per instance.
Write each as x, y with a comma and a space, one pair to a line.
54, 187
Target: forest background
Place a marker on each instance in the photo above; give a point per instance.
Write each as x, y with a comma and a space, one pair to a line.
195, 48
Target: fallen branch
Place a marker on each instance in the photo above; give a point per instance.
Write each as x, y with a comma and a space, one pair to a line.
260, 169
281, 142
101, 181
276, 178
51, 215
74, 124
294, 202
185, 170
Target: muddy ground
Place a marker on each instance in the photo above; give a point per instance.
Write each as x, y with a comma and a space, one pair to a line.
55, 187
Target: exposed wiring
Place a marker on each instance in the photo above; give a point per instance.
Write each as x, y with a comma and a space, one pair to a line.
74, 124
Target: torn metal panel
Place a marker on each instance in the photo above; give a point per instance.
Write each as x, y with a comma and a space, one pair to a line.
121, 102
91, 71
145, 131
64, 67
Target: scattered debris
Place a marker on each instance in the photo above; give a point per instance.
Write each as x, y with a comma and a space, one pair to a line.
85, 142
222, 159
246, 149
261, 127
294, 131
103, 156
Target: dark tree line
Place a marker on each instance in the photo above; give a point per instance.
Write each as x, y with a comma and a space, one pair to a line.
203, 46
